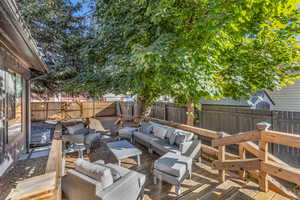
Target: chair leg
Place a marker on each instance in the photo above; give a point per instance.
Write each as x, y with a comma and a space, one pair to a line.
155, 179
178, 189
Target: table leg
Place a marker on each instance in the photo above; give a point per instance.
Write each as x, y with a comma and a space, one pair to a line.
138, 160
80, 153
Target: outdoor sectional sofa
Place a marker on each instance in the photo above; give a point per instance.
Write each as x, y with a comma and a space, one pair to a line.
163, 139
177, 148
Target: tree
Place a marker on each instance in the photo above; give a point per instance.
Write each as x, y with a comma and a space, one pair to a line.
60, 34
191, 49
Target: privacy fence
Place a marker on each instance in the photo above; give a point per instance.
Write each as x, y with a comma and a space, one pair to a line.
231, 120
69, 110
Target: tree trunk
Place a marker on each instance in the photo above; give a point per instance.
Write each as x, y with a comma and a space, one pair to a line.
142, 109
190, 113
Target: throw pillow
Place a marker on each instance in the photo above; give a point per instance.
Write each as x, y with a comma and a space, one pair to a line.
188, 135
180, 138
116, 175
98, 172
72, 129
170, 132
160, 131
91, 138
172, 138
146, 128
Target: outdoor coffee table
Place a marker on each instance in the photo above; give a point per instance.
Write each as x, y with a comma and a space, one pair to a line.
123, 149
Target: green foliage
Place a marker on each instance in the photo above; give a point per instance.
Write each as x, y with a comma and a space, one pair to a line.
60, 34
191, 49
186, 49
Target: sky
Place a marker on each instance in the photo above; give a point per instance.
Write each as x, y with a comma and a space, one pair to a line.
85, 9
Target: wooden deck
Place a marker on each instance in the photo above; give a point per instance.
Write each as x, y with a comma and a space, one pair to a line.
203, 185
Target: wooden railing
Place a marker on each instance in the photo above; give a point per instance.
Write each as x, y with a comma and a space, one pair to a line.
265, 164
48, 185
56, 160
260, 168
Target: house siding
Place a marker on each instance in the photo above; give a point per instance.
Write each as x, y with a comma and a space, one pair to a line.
287, 98
18, 55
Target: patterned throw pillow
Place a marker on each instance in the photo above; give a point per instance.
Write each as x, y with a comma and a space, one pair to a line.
160, 131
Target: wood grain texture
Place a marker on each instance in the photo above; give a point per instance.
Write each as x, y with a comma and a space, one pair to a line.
247, 164
239, 138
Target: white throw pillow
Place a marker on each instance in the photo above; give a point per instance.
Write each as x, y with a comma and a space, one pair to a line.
98, 172
160, 131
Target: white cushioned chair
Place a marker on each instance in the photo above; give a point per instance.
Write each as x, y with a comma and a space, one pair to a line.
99, 181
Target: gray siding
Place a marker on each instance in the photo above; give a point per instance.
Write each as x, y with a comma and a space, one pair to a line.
288, 98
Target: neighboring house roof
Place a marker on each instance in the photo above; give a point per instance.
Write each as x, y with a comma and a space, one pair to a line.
16, 38
242, 102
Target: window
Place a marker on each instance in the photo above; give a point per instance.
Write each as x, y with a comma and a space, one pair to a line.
2, 115
14, 105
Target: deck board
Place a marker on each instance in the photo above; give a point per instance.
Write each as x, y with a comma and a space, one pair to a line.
204, 179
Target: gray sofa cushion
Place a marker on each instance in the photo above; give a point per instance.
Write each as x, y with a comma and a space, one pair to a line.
73, 129
182, 136
164, 146
160, 131
116, 171
170, 132
83, 131
173, 164
91, 138
144, 137
188, 135
146, 127
96, 171
179, 139
127, 132
172, 138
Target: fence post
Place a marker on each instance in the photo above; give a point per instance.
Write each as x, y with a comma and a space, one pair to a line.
221, 158
166, 111
81, 109
190, 113
263, 148
242, 154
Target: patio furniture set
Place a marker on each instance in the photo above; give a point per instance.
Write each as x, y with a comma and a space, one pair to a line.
177, 148
98, 180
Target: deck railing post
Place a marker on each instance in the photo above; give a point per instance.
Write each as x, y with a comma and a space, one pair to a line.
242, 154
221, 157
263, 148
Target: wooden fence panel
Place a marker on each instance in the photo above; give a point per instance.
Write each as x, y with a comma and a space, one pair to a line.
233, 120
176, 113
159, 111
71, 110
286, 121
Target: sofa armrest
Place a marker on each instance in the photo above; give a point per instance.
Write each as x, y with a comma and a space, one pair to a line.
128, 187
183, 147
77, 186
194, 149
